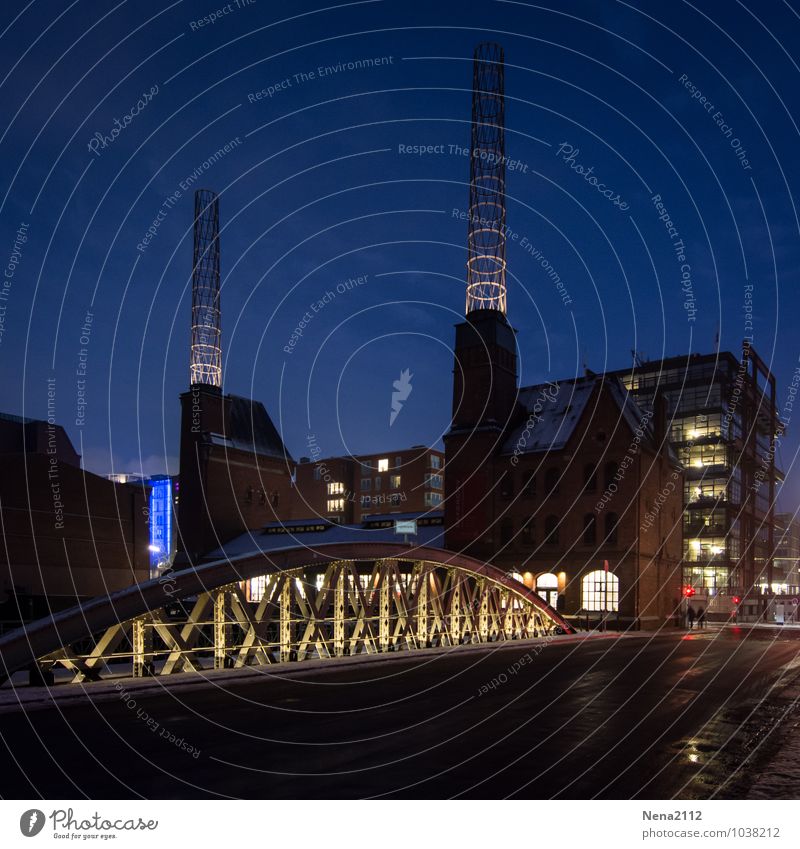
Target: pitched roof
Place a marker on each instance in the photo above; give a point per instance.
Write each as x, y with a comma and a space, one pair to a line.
251, 429
553, 411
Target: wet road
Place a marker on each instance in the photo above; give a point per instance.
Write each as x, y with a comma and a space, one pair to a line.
654, 717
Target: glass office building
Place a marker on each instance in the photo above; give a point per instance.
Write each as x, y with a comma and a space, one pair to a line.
722, 423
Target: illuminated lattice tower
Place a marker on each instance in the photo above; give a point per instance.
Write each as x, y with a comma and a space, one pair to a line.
206, 359
486, 266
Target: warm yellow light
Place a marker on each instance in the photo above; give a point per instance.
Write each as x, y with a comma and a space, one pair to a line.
698, 463
692, 434
715, 549
695, 544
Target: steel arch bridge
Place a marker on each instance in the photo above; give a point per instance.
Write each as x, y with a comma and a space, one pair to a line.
330, 601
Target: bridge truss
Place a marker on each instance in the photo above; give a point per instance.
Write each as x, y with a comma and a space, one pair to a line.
338, 608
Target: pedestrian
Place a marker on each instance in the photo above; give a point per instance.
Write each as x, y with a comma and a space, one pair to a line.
690, 617
701, 618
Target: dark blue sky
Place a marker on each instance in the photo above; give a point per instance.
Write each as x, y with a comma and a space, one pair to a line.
316, 192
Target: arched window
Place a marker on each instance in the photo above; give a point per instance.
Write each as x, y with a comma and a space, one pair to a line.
600, 592
611, 470
590, 477
589, 535
530, 485
551, 481
547, 588
551, 530
529, 532
612, 521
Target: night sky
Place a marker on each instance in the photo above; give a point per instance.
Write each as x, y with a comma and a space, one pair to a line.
697, 104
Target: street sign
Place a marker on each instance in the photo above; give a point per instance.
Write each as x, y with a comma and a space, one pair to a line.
405, 526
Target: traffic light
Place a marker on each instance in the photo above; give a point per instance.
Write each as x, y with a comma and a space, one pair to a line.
736, 599
688, 591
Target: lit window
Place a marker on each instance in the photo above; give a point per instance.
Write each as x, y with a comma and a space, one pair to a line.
336, 488
383, 465
336, 505
547, 588
256, 587
600, 591
395, 482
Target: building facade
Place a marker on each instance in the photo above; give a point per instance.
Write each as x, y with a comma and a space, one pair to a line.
723, 424
347, 490
786, 566
568, 485
235, 471
68, 534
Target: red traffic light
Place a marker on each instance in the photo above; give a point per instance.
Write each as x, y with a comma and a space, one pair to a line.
736, 599
688, 591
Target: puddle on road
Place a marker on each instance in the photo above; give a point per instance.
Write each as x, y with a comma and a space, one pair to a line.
729, 761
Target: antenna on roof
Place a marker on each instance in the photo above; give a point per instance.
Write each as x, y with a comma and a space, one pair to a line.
639, 359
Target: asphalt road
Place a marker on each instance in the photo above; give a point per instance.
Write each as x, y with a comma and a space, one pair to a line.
639, 717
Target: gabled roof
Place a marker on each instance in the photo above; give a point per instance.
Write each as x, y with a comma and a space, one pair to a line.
554, 410
251, 429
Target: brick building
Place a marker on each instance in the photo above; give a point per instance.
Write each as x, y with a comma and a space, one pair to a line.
348, 489
68, 534
569, 485
235, 472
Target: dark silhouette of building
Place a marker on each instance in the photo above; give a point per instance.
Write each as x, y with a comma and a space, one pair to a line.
235, 472
68, 534
569, 486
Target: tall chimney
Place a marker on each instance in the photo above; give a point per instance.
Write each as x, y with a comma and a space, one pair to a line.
206, 352
486, 241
